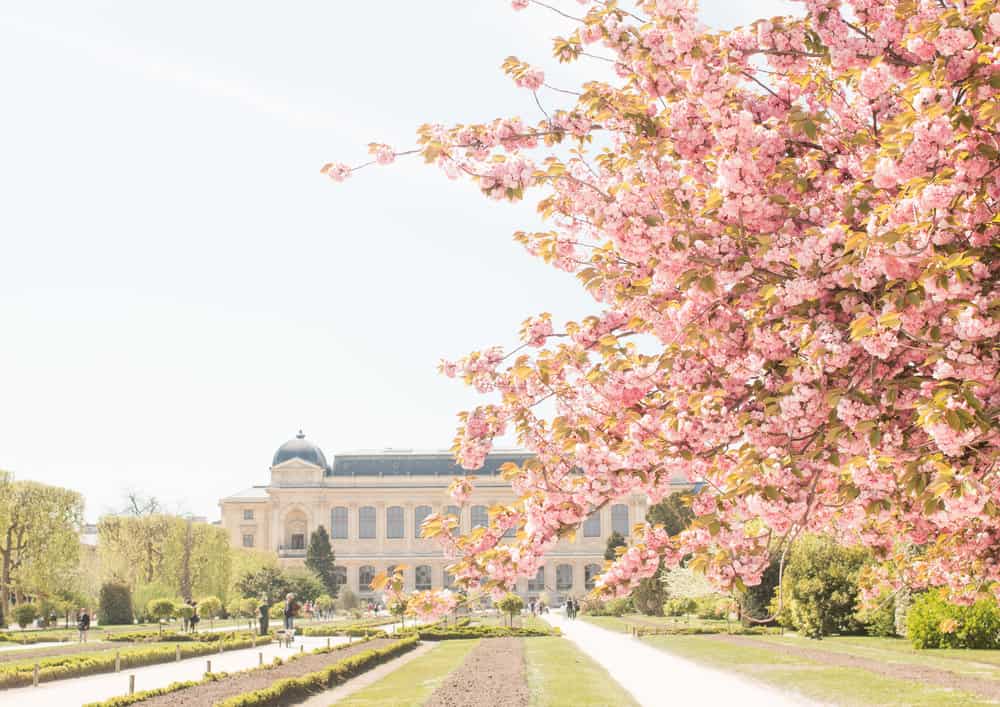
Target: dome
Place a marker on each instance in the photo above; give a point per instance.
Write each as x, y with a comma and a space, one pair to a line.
299, 448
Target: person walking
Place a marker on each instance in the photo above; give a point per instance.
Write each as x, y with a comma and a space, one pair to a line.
265, 614
194, 616
289, 612
83, 624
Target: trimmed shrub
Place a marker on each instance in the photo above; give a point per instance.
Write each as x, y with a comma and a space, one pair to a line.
615, 607
679, 606
716, 607
25, 614
114, 605
510, 604
291, 690
880, 619
932, 622
347, 600
175, 637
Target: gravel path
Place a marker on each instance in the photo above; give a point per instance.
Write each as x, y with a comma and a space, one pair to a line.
656, 678
492, 675
95, 688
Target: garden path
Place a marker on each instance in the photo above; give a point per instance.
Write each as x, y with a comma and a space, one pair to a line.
93, 688
656, 678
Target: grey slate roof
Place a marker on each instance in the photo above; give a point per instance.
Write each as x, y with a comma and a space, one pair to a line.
395, 463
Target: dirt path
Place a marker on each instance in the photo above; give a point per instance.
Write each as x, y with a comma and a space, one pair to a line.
899, 671
237, 684
492, 675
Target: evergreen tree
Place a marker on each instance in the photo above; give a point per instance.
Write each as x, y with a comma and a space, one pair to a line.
320, 559
616, 539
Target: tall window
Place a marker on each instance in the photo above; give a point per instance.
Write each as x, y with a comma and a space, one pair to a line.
338, 523
366, 522
590, 572
457, 512
619, 519
480, 517
420, 514
247, 541
592, 526
537, 583
298, 541
564, 578
449, 580
394, 522
340, 576
248, 514
366, 573
423, 578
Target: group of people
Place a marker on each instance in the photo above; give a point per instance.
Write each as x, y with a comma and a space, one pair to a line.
83, 623
191, 624
288, 612
537, 606
572, 607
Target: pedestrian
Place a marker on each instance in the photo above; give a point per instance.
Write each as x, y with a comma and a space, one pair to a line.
194, 616
290, 607
83, 624
265, 614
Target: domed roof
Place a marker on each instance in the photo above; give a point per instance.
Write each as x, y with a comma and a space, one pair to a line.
299, 448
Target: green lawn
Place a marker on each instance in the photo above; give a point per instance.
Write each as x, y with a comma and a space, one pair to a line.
827, 683
414, 682
559, 675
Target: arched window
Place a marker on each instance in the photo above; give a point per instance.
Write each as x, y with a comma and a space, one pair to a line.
592, 526
457, 512
394, 522
340, 576
619, 519
590, 573
338, 523
564, 577
420, 514
366, 573
537, 583
366, 522
423, 578
480, 517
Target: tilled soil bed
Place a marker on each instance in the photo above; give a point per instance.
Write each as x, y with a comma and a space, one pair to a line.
492, 675
238, 683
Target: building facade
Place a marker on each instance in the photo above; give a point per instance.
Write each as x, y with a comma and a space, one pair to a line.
373, 503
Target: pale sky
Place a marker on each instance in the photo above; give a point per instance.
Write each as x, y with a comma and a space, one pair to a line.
181, 290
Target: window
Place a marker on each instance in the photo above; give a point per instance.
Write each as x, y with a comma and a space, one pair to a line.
338, 523
592, 526
457, 512
247, 541
340, 576
449, 580
480, 517
420, 514
537, 583
298, 541
564, 578
590, 573
619, 519
423, 578
247, 514
394, 522
366, 522
366, 573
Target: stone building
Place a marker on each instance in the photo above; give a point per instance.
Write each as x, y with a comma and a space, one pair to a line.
373, 502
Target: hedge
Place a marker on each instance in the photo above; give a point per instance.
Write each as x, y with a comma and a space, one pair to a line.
356, 629
175, 637
933, 622
290, 690
687, 630
20, 673
29, 637
445, 634
125, 700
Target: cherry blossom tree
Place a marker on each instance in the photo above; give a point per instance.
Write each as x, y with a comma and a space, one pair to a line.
790, 232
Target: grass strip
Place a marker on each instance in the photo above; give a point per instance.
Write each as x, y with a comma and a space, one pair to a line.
289, 690
21, 673
412, 684
828, 684
560, 674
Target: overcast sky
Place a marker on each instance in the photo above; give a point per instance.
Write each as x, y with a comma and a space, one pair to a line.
180, 289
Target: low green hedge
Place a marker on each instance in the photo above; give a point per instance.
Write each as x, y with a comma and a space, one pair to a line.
125, 700
290, 690
933, 622
441, 633
30, 637
360, 628
20, 673
735, 630
175, 637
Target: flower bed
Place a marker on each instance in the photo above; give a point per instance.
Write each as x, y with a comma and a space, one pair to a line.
440, 633
361, 628
21, 673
